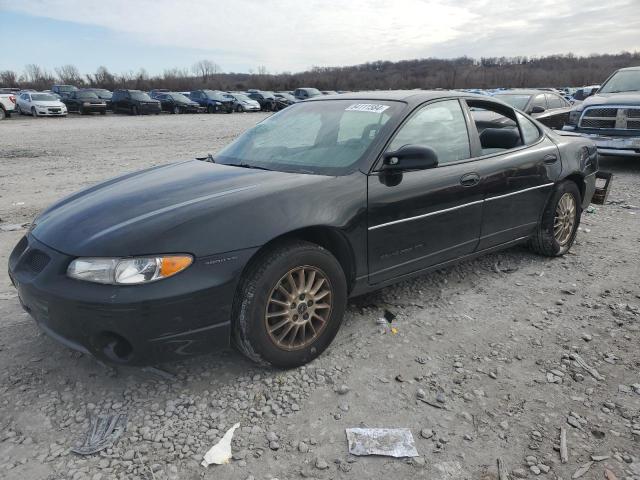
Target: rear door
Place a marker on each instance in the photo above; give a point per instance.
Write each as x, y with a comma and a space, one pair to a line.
517, 178
418, 219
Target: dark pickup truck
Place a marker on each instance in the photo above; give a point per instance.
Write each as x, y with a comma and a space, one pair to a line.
611, 117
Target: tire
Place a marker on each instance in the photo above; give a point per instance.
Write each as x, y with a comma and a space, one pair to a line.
103, 112
19, 110
81, 110
3, 114
211, 109
176, 110
258, 292
240, 109
551, 239
34, 113
134, 110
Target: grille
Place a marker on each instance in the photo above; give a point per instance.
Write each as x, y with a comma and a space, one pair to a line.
619, 118
594, 123
35, 261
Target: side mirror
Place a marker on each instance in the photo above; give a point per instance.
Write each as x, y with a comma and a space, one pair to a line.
538, 109
410, 157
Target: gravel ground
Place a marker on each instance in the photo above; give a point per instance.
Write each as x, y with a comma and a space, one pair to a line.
483, 360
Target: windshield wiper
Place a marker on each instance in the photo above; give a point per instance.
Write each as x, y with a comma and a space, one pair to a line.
247, 165
622, 91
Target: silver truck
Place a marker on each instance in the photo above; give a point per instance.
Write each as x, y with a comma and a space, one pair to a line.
611, 117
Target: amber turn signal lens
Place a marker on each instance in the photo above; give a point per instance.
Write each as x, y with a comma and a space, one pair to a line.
172, 265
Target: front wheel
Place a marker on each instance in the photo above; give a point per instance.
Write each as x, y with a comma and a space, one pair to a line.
559, 223
239, 109
290, 305
176, 110
134, 110
34, 112
211, 109
2, 114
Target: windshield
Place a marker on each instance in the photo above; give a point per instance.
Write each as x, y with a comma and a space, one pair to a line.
179, 97
90, 95
44, 97
241, 98
516, 101
624, 81
140, 96
214, 95
326, 138
67, 88
103, 93
287, 96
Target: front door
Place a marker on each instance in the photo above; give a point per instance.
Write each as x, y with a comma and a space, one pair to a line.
419, 219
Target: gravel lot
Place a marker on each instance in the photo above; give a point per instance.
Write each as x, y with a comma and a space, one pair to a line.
489, 345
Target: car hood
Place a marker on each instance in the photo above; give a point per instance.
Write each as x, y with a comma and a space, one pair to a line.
623, 98
191, 207
48, 103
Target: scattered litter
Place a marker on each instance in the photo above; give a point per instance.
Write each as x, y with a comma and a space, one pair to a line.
220, 453
432, 404
592, 371
609, 475
502, 470
564, 453
389, 316
591, 209
498, 268
582, 470
390, 442
599, 458
104, 431
394, 330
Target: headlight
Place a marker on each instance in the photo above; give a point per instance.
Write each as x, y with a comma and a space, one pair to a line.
86, 104
574, 116
127, 271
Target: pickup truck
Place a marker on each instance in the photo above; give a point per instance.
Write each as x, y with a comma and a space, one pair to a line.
7, 104
611, 117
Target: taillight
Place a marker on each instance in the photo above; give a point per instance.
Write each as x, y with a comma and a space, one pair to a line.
12, 98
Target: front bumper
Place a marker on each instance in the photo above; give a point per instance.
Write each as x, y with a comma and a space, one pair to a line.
181, 316
618, 146
51, 112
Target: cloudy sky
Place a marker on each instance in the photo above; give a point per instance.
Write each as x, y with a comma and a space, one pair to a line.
293, 35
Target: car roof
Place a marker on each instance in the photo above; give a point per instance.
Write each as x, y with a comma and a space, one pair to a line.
409, 96
629, 68
522, 91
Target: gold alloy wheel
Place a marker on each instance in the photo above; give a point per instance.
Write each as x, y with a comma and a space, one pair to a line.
564, 219
299, 308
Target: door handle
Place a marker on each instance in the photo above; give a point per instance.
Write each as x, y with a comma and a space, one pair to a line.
470, 179
551, 158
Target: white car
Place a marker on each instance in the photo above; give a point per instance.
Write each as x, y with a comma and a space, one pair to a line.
40, 104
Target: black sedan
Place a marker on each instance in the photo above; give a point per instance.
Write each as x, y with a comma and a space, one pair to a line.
548, 108
84, 102
263, 243
178, 103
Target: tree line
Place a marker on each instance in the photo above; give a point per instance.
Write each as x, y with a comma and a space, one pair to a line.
427, 73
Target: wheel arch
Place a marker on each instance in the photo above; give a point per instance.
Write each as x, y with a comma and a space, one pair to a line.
578, 179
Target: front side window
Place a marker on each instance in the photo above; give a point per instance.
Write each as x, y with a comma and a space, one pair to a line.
530, 132
439, 125
326, 138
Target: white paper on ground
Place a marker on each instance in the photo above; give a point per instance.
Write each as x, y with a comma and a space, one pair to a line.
391, 442
220, 453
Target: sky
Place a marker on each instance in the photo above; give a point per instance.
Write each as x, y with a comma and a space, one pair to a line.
295, 35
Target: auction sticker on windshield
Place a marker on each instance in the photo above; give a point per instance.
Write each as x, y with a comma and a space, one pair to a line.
366, 107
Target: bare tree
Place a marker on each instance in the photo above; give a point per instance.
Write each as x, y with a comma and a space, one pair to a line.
69, 74
205, 69
8, 78
262, 70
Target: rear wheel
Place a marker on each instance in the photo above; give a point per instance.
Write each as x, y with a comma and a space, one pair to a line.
290, 305
559, 223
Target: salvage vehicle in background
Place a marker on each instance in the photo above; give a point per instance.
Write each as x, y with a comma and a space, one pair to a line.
242, 103
40, 104
103, 94
177, 103
212, 100
7, 105
284, 99
135, 102
306, 93
611, 117
266, 100
85, 102
180, 259
549, 108
63, 90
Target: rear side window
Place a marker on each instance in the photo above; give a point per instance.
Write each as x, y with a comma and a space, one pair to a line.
530, 132
439, 125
